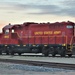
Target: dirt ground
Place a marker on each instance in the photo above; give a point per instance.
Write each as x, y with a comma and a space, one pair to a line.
36, 73
49, 73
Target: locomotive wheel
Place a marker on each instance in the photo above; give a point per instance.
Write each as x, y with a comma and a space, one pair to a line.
19, 54
45, 52
53, 53
69, 55
7, 53
62, 53
12, 53
0, 52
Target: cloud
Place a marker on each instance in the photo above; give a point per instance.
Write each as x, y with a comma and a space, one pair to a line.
64, 7
46, 9
68, 7
69, 3
43, 9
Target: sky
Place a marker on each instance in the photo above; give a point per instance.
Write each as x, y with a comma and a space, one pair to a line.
20, 11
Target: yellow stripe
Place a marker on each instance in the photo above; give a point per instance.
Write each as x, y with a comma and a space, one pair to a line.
36, 36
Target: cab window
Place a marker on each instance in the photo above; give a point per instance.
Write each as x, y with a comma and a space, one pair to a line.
12, 30
7, 31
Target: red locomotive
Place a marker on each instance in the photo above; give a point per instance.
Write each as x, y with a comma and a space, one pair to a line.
45, 38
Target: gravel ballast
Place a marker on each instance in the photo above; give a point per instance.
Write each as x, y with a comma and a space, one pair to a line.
19, 69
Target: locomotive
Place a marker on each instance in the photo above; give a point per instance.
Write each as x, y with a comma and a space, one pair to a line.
46, 38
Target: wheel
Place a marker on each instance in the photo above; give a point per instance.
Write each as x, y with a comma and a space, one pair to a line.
7, 53
69, 55
19, 54
12, 53
53, 52
45, 52
62, 53
0, 52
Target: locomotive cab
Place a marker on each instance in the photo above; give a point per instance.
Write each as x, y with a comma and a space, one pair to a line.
7, 29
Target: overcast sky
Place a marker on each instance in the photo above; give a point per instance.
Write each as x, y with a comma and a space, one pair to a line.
19, 11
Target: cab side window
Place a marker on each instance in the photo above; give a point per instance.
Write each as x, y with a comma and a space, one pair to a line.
12, 30
7, 31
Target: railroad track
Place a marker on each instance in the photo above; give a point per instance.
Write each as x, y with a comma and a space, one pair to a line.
39, 55
41, 63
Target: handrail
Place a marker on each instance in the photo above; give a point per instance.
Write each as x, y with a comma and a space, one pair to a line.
71, 45
71, 40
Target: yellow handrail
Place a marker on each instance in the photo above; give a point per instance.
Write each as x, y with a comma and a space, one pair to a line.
71, 45
71, 40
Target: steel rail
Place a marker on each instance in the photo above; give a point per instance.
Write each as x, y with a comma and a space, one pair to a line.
40, 63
